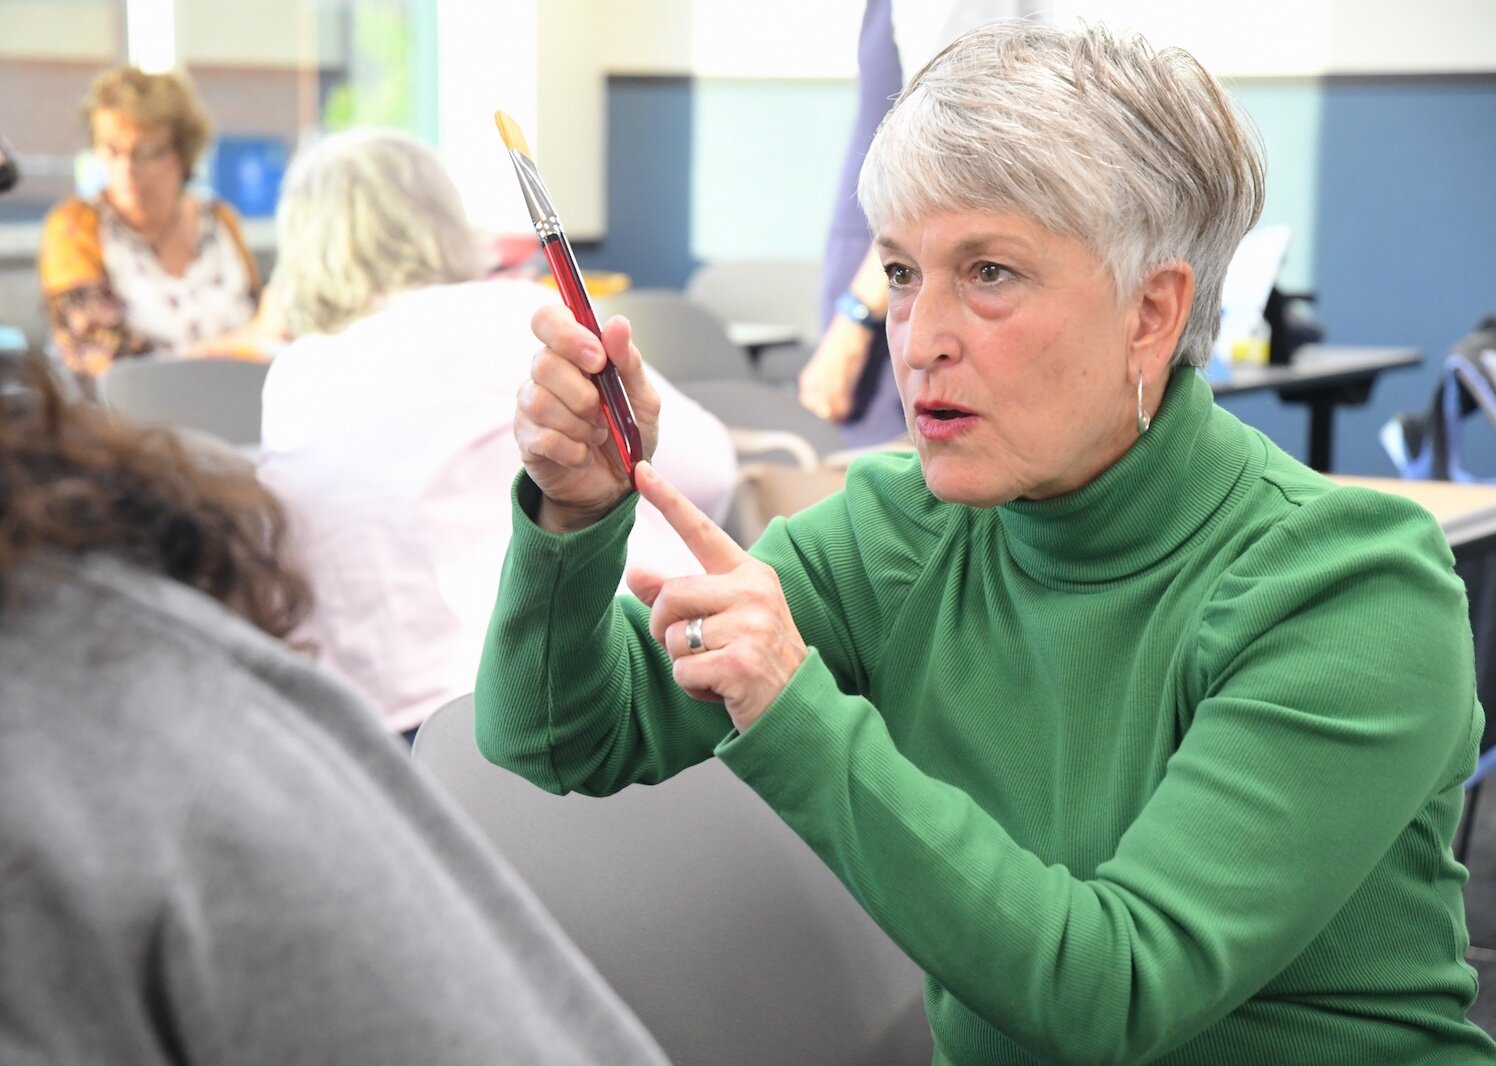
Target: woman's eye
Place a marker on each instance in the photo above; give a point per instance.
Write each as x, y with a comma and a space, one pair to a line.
897, 274
991, 272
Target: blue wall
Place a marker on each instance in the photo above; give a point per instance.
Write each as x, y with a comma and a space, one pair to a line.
649, 162
768, 160
703, 170
1389, 183
1406, 249
1288, 115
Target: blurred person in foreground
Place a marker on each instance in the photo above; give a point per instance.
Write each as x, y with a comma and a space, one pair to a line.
388, 420
1145, 741
209, 851
149, 267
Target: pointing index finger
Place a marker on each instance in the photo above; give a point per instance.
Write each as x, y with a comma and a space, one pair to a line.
714, 549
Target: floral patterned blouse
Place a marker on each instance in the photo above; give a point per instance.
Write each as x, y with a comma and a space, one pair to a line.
108, 296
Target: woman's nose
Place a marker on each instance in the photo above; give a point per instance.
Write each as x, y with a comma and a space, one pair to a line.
928, 335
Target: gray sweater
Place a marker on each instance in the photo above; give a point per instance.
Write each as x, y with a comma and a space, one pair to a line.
211, 853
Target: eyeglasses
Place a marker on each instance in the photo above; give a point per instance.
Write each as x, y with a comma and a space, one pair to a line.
140, 155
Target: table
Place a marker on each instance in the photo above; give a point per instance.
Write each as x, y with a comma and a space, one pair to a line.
1321, 376
754, 337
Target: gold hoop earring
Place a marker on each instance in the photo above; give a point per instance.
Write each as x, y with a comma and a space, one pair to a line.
1143, 420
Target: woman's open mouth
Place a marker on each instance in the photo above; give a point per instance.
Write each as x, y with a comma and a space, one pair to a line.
941, 421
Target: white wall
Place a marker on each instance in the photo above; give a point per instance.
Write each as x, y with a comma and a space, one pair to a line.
1264, 37
487, 58
1394, 36
643, 36
31, 29
581, 42
265, 33
546, 61
1311, 37
775, 38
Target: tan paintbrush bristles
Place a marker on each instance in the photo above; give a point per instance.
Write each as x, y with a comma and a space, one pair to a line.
514, 140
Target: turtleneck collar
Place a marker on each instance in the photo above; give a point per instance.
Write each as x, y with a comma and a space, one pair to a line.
1169, 484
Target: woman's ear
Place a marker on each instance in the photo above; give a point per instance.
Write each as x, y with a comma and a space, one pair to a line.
1162, 309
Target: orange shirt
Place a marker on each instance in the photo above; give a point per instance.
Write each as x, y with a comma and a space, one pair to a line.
92, 321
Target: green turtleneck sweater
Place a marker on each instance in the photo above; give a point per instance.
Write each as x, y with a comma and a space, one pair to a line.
1165, 769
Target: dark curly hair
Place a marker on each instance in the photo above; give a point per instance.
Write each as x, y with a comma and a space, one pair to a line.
75, 479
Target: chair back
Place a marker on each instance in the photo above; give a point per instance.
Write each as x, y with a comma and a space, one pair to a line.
761, 290
781, 449
766, 491
677, 336
729, 938
758, 405
217, 396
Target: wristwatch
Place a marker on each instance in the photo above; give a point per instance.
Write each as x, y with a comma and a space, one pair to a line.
851, 307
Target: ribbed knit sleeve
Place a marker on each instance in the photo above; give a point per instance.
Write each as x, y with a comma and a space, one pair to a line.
1163, 770
572, 691
1318, 685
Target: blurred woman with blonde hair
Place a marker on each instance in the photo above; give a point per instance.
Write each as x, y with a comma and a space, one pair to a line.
149, 266
388, 419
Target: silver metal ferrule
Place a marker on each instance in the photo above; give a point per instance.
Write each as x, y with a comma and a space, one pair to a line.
536, 199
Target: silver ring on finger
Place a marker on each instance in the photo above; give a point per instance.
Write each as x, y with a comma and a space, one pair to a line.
695, 642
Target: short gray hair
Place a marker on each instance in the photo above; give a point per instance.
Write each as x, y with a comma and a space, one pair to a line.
363, 214
1141, 155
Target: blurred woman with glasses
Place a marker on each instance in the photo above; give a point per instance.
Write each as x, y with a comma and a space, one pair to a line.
148, 266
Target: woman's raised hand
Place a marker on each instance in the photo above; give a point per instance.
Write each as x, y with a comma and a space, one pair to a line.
729, 630
559, 422
828, 382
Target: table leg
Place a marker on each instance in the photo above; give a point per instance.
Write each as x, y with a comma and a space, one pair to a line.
1321, 431
1467, 823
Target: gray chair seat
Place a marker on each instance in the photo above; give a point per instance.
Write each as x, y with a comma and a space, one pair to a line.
723, 931
677, 336
217, 396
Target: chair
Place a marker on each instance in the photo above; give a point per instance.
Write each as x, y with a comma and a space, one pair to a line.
217, 396
1483, 767
766, 491
723, 931
1427, 445
758, 405
677, 336
787, 457
780, 448
765, 291
761, 290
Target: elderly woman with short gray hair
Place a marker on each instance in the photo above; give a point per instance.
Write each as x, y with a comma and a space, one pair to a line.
1145, 741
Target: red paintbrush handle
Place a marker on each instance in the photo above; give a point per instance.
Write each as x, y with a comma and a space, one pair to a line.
616, 406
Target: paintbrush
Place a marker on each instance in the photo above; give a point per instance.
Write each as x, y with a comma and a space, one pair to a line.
563, 264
